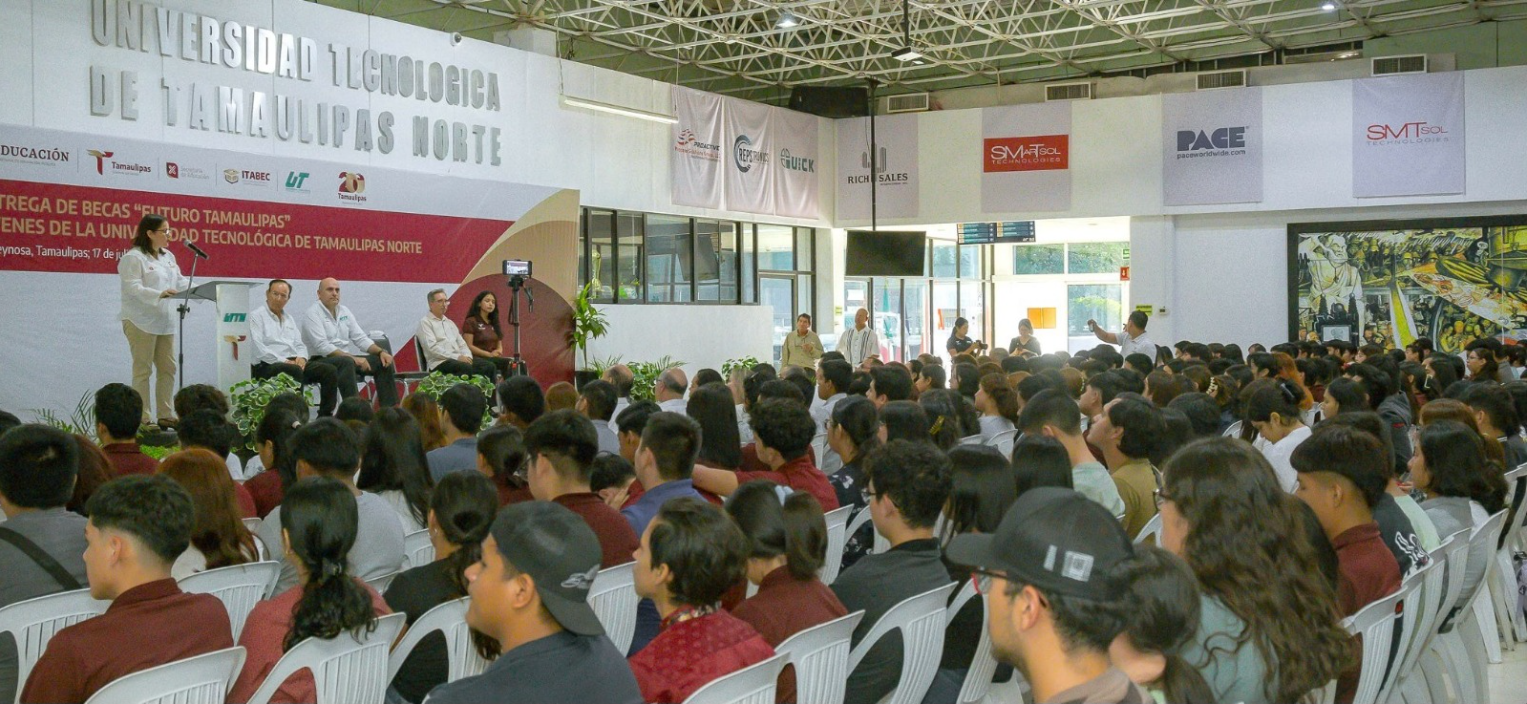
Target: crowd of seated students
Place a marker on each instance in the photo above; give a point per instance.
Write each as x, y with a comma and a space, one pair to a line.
1294, 486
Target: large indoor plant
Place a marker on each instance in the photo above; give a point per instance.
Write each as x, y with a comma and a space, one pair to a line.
250, 397
438, 382
589, 324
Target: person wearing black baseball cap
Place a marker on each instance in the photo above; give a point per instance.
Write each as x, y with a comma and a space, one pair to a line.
530, 593
1056, 601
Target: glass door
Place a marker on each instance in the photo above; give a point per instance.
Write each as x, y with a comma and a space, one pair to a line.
779, 292
914, 295
888, 319
1101, 302
946, 308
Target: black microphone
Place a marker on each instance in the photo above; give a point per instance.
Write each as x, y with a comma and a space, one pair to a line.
197, 250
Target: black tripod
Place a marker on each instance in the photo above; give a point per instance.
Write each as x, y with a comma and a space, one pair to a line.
517, 366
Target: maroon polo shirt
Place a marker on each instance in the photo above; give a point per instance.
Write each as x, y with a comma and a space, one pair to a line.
616, 539
126, 458
800, 474
149, 625
785, 606
687, 655
1368, 569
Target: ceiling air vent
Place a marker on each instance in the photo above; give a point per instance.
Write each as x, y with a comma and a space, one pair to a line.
1068, 91
1214, 80
1393, 65
911, 102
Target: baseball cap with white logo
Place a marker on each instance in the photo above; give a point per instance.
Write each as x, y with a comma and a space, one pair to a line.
560, 553
1054, 539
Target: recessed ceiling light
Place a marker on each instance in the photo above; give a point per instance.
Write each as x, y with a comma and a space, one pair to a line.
786, 21
907, 53
1329, 7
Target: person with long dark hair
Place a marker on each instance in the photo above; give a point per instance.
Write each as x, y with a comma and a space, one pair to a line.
273, 439
427, 414
393, 467
853, 432
483, 334
460, 513
94, 470
1272, 408
1163, 609
1270, 624
942, 408
1040, 460
218, 535
319, 523
1463, 489
720, 446
150, 276
1343, 395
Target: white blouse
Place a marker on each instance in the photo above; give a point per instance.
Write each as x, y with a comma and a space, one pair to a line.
143, 279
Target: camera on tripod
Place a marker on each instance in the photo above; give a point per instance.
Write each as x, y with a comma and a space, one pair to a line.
517, 270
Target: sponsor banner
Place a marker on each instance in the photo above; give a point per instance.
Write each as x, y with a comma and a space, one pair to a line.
749, 158
893, 166
1408, 135
695, 159
1212, 147
1026, 158
795, 173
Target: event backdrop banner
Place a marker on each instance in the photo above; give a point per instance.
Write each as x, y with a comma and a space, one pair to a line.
1408, 135
749, 160
1213, 147
895, 167
795, 179
695, 165
69, 205
1026, 158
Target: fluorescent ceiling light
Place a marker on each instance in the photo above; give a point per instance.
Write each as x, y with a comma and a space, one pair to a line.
587, 104
906, 53
786, 21
1329, 7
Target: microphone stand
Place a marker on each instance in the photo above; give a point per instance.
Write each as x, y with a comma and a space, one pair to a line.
185, 307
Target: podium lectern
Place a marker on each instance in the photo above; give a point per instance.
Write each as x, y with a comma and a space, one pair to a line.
232, 336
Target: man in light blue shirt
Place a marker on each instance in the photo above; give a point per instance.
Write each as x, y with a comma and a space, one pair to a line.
461, 410
1052, 412
665, 461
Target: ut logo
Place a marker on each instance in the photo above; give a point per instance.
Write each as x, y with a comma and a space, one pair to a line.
295, 179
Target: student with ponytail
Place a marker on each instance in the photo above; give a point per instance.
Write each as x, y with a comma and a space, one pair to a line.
1272, 407
853, 431
318, 527
1163, 612
461, 512
273, 440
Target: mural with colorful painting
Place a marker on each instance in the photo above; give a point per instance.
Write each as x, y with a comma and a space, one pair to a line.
1390, 282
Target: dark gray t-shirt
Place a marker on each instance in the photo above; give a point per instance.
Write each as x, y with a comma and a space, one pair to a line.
875, 584
60, 534
378, 548
563, 667
459, 456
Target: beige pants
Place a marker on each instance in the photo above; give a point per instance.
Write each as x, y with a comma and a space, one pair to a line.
152, 352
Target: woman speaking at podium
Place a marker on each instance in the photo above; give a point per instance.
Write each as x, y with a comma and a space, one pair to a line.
150, 276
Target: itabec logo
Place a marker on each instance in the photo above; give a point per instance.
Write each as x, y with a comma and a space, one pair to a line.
1406, 133
1042, 153
231, 175
690, 145
351, 185
745, 156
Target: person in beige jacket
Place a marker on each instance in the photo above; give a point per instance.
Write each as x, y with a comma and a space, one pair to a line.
802, 347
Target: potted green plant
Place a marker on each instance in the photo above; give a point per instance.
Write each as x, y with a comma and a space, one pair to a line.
589, 324
438, 382
250, 397
644, 375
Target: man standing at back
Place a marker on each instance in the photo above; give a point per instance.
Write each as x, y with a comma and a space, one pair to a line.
331, 332
859, 342
802, 347
1131, 339
138, 527
562, 446
1052, 412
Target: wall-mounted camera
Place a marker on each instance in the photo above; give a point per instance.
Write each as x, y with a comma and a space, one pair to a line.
456, 38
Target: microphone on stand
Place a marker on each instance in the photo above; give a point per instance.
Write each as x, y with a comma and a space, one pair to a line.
196, 250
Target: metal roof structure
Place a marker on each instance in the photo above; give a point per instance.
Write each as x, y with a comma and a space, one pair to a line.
759, 49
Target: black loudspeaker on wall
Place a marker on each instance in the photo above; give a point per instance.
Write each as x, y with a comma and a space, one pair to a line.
830, 101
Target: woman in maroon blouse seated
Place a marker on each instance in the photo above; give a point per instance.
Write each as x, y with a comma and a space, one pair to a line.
271, 438
690, 554
787, 546
482, 332
318, 524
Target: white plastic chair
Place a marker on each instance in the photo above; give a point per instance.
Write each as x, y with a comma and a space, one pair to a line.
1375, 624
1423, 683
755, 684
983, 665
1461, 649
819, 449
203, 679
1152, 530
1419, 621
613, 598
417, 549
820, 657
253, 524
921, 622
450, 620
346, 669
837, 537
1004, 442
1503, 589
860, 520
971, 440
239, 587
381, 583
32, 623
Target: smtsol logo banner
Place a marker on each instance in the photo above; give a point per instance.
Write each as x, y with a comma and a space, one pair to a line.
893, 166
696, 151
1408, 135
1212, 147
1026, 158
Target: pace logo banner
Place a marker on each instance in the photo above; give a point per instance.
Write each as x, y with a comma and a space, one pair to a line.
893, 166
1212, 147
696, 152
1026, 158
748, 161
1408, 135
795, 170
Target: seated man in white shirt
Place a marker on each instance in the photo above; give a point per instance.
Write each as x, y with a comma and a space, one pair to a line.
669, 390
445, 350
279, 350
331, 332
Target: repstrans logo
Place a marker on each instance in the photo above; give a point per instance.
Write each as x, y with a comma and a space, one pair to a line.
33, 155
1040, 153
745, 156
104, 163
797, 163
690, 145
1224, 141
1406, 133
351, 185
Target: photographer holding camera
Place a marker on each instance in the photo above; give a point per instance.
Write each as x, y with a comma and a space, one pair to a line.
960, 342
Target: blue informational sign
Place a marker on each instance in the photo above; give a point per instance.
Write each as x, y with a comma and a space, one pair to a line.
997, 232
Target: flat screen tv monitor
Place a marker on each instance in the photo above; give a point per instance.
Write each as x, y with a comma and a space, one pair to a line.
885, 253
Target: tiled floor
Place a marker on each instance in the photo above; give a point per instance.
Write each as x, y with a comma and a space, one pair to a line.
1508, 680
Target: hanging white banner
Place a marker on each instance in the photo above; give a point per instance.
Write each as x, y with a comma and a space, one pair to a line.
895, 167
795, 172
1212, 147
694, 163
1408, 135
748, 162
1026, 158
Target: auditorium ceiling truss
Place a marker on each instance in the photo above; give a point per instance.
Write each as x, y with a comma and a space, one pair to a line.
759, 49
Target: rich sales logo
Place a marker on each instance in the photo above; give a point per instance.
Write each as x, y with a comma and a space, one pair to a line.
745, 156
33, 155
1224, 141
351, 185
881, 169
691, 145
1041, 153
104, 164
1420, 132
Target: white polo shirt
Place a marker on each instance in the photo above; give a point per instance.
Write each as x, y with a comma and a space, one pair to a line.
324, 332
1142, 344
275, 340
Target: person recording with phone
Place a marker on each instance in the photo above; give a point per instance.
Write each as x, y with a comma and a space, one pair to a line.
1131, 339
150, 275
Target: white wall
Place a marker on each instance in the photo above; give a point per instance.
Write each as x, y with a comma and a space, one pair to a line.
700, 336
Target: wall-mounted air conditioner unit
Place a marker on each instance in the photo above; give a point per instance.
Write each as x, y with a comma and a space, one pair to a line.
1215, 80
1068, 91
1396, 65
